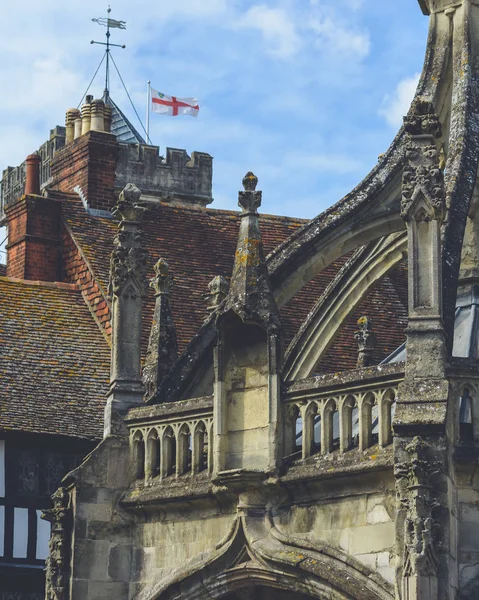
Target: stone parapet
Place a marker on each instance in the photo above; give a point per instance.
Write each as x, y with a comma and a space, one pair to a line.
176, 178
13, 178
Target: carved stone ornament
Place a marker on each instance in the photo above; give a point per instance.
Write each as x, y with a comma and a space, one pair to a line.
56, 569
128, 207
415, 480
422, 176
250, 199
218, 290
128, 259
162, 282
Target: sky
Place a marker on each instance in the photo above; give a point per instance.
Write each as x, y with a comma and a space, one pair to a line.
304, 93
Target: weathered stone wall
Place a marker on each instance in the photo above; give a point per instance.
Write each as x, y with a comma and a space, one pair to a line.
168, 544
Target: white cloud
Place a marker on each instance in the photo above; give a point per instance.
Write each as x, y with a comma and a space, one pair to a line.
323, 162
277, 28
339, 39
396, 105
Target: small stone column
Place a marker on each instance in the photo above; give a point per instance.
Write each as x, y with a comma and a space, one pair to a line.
366, 339
127, 290
162, 347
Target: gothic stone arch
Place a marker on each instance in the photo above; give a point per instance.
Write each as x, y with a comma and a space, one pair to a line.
255, 553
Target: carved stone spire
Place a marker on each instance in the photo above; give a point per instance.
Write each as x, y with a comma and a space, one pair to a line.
127, 288
250, 295
366, 339
162, 347
128, 259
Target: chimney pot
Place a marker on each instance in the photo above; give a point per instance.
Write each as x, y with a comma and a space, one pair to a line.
71, 115
88, 99
107, 118
86, 117
32, 180
97, 122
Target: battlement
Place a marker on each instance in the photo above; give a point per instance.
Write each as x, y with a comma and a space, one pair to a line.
174, 178
13, 178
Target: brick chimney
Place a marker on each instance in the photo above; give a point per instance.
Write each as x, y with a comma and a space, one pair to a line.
87, 164
33, 222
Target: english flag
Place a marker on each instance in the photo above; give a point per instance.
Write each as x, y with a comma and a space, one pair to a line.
173, 106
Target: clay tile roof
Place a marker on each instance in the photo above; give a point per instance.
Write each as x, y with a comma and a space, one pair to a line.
200, 244
54, 362
197, 244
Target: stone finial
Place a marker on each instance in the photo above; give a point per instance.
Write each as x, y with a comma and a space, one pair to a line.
32, 177
128, 207
162, 282
366, 339
250, 199
218, 290
250, 181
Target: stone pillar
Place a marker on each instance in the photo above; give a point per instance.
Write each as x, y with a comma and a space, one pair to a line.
422, 521
127, 290
423, 210
32, 179
162, 347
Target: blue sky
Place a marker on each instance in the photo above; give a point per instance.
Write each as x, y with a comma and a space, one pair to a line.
305, 93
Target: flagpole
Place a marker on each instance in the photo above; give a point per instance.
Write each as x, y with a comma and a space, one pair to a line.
148, 101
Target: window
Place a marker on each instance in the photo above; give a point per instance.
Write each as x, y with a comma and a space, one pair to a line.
28, 478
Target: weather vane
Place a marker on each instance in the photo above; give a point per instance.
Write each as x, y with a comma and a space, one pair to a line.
113, 24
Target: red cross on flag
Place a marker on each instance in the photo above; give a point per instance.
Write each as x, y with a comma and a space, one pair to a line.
173, 106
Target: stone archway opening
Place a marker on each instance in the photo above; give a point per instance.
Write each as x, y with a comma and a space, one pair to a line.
261, 592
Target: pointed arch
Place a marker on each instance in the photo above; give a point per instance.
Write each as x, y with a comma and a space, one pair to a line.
268, 557
351, 284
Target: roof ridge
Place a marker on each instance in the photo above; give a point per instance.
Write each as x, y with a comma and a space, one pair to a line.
60, 285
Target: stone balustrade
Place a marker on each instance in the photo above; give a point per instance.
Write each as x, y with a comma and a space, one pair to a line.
339, 412
324, 414
171, 439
